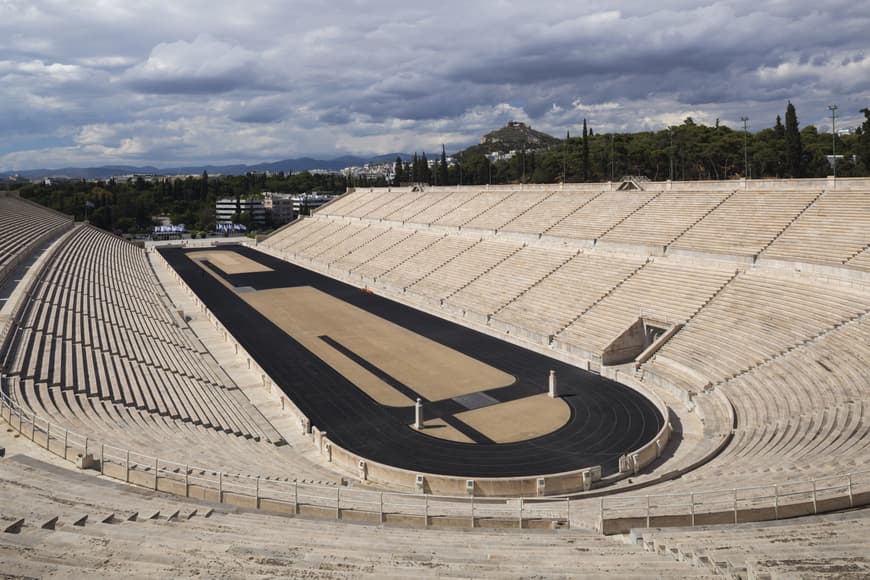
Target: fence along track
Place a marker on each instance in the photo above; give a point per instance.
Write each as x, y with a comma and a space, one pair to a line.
282, 496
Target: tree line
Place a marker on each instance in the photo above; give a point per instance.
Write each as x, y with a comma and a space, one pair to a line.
128, 206
689, 151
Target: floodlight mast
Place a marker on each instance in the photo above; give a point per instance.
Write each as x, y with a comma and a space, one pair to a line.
746, 173
833, 110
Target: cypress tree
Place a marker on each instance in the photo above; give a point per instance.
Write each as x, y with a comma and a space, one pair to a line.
778, 129
397, 170
425, 176
793, 147
585, 152
864, 140
565, 157
442, 168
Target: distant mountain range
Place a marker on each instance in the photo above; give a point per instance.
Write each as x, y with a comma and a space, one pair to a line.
286, 165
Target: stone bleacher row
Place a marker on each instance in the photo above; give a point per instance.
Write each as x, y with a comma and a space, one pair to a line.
754, 319
120, 343
581, 302
23, 224
834, 545
791, 353
742, 327
802, 415
152, 434
814, 226
110, 530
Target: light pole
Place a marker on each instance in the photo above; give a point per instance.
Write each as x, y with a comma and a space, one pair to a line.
833, 110
671, 152
745, 154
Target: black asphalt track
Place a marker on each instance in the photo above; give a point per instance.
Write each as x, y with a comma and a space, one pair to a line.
607, 419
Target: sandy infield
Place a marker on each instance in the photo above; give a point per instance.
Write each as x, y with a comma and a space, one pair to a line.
430, 369
230, 262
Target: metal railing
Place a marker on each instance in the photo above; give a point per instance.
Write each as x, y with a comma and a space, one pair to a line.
740, 504
275, 494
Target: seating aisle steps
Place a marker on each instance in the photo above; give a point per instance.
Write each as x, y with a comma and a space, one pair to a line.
507, 280
555, 301
138, 379
176, 537
831, 231
471, 209
861, 260
746, 222
665, 218
513, 206
660, 291
432, 257
135, 354
804, 414
466, 267
385, 240
592, 220
548, 212
23, 224
756, 317
811, 547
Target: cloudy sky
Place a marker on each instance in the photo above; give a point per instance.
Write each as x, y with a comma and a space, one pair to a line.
87, 82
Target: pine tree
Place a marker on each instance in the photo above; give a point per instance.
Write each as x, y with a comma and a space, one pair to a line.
793, 147
415, 169
585, 152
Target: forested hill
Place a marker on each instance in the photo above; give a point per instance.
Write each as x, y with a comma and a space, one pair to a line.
688, 151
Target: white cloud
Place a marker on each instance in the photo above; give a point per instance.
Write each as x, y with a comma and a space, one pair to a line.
204, 81
845, 73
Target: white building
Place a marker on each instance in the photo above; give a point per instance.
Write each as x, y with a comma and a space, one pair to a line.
306, 202
226, 208
284, 207
279, 207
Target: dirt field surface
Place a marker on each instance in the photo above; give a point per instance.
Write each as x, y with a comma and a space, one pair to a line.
429, 368
520, 419
230, 262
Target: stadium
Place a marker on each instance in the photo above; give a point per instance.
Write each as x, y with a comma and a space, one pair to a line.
632, 378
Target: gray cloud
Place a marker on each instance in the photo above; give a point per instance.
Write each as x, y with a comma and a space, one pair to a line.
205, 81
201, 67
